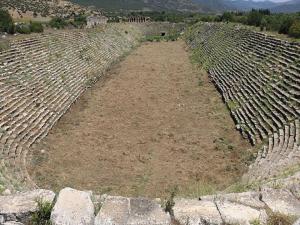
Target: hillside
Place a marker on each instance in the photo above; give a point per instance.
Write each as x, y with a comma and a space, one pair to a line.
248, 5
291, 6
176, 5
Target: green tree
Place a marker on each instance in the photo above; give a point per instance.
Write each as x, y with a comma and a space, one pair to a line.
36, 27
294, 30
80, 21
285, 25
227, 17
23, 29
6, 22
254, 18
58, 23
263, 24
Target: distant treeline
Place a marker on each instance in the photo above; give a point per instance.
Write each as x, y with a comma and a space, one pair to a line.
280, 22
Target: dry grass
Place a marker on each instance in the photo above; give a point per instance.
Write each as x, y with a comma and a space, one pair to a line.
146, 128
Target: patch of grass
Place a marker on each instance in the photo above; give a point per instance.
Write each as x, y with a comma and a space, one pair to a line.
224, 144
169, 203
233, 105
240, 187
276, 218
197, 189
255, 222
200, 82
98, 207
153, 38
42, 215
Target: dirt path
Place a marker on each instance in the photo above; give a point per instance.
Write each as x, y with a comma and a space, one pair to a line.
149, 126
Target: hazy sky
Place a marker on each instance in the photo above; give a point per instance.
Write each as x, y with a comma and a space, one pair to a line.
274, 0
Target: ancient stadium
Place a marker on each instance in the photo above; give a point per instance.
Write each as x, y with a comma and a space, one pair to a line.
141, 122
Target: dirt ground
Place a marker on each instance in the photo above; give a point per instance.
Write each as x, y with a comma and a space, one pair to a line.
155, 122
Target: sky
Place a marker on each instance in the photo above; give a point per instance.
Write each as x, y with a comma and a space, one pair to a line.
273, 0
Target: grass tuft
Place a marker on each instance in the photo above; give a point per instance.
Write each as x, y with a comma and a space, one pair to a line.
42, 215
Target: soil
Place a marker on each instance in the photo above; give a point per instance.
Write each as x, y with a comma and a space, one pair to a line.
154, 123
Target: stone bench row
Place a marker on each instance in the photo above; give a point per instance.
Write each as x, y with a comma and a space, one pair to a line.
258, 77
40, 79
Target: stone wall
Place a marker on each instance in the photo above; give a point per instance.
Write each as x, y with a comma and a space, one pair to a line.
73, 207
259, 79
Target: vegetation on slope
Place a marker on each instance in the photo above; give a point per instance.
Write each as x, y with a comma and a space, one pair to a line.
281, 23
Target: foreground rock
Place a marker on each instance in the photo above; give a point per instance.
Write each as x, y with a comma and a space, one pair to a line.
195, 212
73, 208
20, 206
282, 201
76, 208
133, 211
236, 208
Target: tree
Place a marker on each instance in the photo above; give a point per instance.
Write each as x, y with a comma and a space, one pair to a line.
80, 21
36, 27
286, 25
254, 18
263, 24
227, 17
6, 22
294, 30
58, 23
23, 29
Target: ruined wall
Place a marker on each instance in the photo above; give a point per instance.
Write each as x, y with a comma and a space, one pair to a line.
259, 79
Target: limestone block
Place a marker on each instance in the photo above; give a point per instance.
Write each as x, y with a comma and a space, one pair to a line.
246, 198
233, 213
195, 212
73, 207
12, 223
20, 206
131, 211
281, 200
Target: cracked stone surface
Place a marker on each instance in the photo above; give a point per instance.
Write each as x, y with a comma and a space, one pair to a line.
195, 212
282, 201
73, 208
234, 213
134, 211
19, 206
250, 199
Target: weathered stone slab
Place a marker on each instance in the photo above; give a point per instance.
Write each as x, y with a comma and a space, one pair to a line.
131, 211
73, 208
297, 222
233, 213
195, 212
246, 198
281, 200
20, 206
12, 223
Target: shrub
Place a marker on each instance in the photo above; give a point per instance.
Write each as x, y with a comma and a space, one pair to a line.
23, 29
36, 27
6, 22
42, 216
294, 30
285, 26
80, 21
254, 18
58, 23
